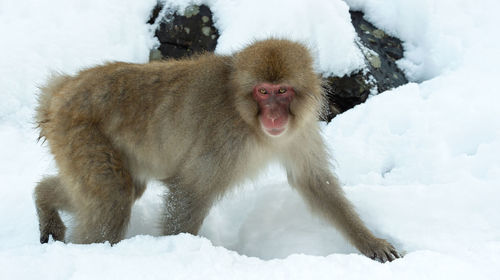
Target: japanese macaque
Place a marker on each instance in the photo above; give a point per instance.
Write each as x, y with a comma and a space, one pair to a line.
200, 125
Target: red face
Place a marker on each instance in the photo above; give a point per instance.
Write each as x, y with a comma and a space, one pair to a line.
274, 106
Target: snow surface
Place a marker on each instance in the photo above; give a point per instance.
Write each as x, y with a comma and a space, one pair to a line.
419, 162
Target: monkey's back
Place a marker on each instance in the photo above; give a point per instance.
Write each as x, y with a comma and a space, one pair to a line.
156, 114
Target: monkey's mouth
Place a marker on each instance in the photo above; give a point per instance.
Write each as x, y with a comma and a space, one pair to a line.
274, 127
275, 131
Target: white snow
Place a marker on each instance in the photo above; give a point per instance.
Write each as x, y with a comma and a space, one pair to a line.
419, 162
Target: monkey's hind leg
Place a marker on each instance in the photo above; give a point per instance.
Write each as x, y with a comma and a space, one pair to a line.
103, 190
50, 196
185, 211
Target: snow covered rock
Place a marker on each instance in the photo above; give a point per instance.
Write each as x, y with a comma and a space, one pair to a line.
191, 30
381, 73
183, 33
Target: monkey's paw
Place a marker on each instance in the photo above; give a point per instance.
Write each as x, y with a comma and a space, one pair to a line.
54, 227
380, 250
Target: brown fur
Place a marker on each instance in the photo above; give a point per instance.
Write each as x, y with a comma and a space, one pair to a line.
192, 124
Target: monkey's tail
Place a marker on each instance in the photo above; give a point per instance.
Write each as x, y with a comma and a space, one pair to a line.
54, 84
50, 196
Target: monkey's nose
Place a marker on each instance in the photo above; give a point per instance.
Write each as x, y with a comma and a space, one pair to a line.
273, 115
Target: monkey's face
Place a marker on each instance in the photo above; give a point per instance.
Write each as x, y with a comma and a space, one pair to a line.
276, 90
274, 107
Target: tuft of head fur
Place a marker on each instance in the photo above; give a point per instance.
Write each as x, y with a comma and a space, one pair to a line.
274, 61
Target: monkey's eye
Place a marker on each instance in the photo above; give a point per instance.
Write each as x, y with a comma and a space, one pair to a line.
282, 90
263, 91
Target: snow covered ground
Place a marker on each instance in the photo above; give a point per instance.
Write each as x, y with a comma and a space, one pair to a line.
421, 162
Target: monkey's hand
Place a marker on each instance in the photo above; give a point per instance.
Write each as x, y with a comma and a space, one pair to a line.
378, 249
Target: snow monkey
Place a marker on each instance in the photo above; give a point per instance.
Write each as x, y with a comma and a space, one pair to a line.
200, 125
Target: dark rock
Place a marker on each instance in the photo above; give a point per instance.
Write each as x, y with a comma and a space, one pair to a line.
343, 93
381, 52
186, 34
193, 32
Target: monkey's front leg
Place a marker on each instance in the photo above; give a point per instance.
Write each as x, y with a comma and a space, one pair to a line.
323, 193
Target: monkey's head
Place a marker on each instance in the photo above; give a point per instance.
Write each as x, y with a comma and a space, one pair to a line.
277, 89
